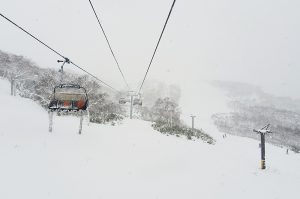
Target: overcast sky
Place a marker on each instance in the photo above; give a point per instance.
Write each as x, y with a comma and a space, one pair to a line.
249, 41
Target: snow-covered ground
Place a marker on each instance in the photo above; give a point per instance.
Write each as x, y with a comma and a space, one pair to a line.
130, 160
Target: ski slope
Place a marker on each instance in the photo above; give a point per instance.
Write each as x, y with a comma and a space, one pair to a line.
130, 160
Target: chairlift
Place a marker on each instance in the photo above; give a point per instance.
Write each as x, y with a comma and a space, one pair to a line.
69, 97
123, 100
137, 101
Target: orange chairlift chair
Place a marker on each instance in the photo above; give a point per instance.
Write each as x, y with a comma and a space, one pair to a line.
68, 97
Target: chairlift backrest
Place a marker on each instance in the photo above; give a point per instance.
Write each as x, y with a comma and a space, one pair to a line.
69, 93
69, 97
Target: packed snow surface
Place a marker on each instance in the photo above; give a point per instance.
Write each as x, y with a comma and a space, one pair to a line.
130, 160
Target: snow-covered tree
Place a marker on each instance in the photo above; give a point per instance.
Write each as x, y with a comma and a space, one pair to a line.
166, 111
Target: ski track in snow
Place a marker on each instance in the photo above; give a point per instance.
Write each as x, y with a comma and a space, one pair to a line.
130, 160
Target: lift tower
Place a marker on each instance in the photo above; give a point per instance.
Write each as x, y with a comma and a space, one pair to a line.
265, 130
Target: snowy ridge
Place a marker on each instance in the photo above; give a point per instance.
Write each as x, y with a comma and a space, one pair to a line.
130, 160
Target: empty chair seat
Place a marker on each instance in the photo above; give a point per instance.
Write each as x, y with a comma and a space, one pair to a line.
69, 97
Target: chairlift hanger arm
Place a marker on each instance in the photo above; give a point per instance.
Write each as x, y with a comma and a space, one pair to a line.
66, 60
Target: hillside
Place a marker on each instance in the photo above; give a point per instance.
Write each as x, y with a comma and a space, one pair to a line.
129, 160
250, 107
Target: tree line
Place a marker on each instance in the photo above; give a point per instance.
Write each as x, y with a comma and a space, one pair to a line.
33, 82
38, 83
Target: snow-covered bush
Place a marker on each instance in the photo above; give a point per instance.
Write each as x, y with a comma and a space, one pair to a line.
166, 117
183, 131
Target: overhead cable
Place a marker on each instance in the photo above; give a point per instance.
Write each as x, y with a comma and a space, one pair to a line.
56, 52
107, 41
162, 32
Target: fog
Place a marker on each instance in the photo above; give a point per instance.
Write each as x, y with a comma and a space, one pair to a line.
254, 41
